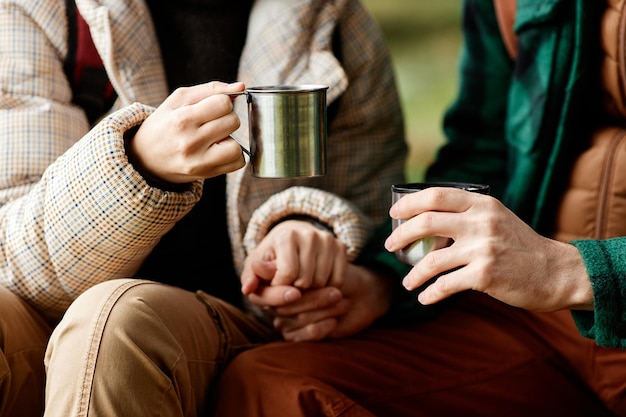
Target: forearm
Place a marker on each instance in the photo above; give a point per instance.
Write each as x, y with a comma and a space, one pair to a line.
92, 217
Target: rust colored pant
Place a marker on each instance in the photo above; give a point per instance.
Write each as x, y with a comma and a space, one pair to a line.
23, 338
478, 358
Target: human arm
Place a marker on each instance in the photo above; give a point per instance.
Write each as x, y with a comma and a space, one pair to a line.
342, 47
71, 209
496, 253
74, 211
309, 289
493, 252
548, 108
369, 292
366, 151
89, 218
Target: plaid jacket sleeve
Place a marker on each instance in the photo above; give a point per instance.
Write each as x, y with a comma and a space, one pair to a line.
336, 43
73, 211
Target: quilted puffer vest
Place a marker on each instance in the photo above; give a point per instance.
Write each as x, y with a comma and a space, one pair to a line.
594, 204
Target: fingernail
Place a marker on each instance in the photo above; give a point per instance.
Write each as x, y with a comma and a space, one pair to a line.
291, 295
423, 299
334, 296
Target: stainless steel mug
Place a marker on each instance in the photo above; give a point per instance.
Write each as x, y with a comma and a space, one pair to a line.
287, 130
415, 251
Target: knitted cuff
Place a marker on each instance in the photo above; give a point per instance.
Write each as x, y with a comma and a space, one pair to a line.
341, 217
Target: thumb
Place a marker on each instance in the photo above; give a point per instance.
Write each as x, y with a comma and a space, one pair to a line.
254, 272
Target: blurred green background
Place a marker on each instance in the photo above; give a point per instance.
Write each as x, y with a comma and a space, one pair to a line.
424, 37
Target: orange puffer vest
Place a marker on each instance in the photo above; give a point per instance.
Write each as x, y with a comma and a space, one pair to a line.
594, 204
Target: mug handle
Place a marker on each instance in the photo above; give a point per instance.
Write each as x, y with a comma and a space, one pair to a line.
243, 148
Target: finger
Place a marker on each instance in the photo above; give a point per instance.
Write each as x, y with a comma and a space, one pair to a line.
312, 332
445, 286
253, 272
410, 231
433, 199
184, 96
224, 156
274, 296
316, 255
307, 260
213, 117
340, 267
311, 300
220, 88
287, 263
220, 158
437, 262
330, 265
290, 323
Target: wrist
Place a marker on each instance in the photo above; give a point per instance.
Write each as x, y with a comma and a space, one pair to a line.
573, 278
152, 180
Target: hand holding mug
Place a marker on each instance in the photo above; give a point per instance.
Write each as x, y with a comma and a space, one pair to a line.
187, 136
416, 250
493, 251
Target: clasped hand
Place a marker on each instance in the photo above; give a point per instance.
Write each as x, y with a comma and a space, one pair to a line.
300, 276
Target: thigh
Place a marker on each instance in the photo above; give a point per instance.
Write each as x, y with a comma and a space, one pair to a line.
608, 370
130, 345
471, 361
23, 338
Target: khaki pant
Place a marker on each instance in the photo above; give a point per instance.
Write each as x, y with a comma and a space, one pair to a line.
138, 348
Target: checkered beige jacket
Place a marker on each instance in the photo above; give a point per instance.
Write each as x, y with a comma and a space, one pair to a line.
74, 212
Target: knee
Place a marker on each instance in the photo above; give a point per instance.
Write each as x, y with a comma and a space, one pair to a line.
111, 311
123, 316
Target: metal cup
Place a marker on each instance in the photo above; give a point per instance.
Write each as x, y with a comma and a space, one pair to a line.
414, 252
287, 130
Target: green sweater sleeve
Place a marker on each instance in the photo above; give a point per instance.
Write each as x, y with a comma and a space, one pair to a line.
605, 261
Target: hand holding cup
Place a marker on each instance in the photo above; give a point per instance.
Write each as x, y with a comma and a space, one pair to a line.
493, 251
415, 251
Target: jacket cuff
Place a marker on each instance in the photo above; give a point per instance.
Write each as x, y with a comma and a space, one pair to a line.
340, 217
606, 269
